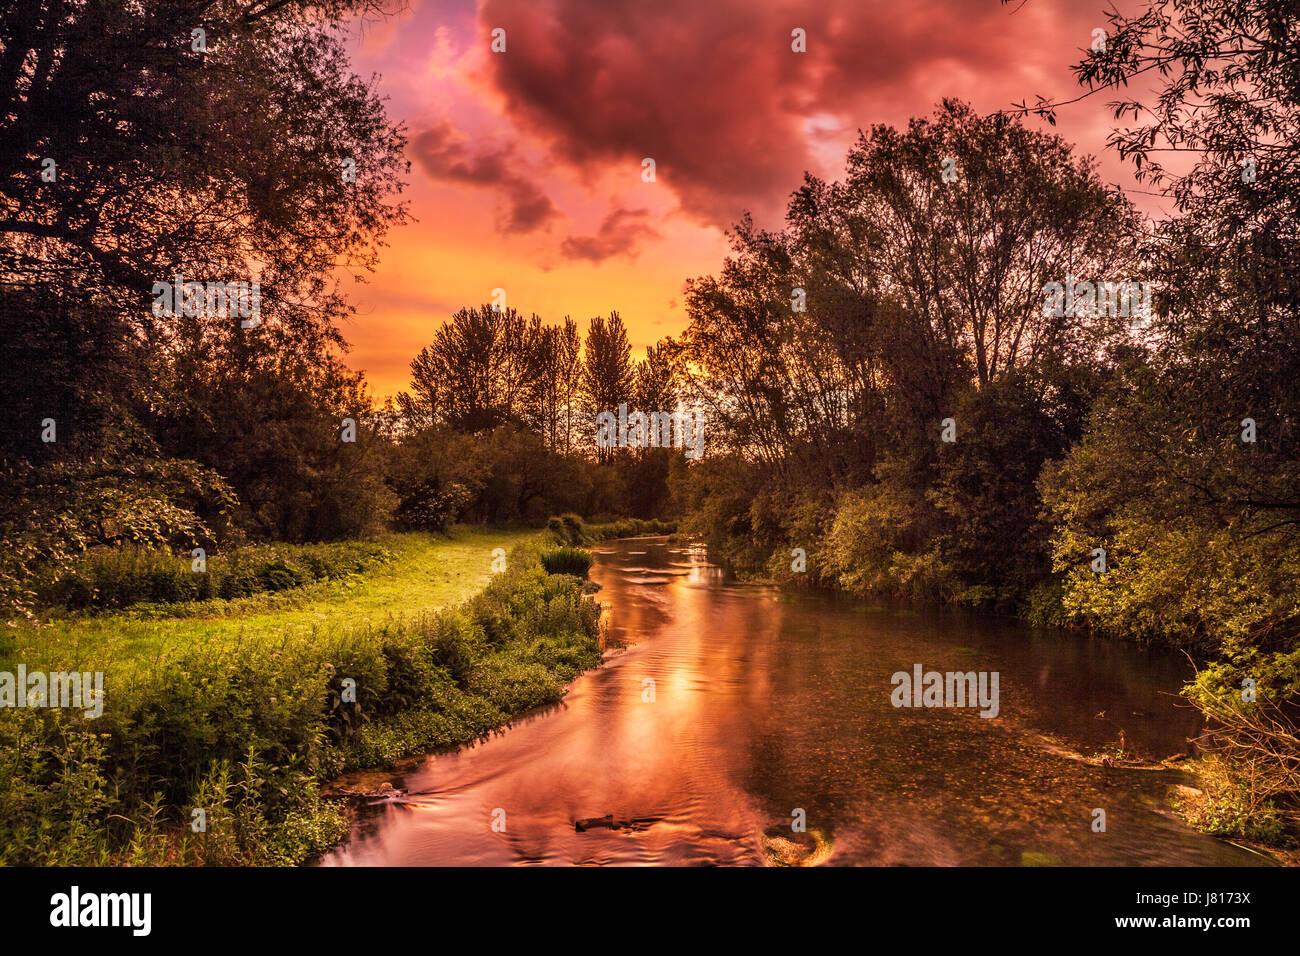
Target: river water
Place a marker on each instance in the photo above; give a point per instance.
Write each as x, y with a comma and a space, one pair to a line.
723, 710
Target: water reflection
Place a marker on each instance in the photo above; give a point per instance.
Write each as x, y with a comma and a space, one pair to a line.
723, 710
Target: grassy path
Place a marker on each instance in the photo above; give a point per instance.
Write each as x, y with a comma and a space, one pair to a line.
428, 573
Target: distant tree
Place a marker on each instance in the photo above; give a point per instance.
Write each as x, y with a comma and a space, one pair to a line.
654, 380
569, 376
607, 375
484, 368
559, 365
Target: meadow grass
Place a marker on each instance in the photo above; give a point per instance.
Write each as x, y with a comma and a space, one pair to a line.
240, 710
429, 572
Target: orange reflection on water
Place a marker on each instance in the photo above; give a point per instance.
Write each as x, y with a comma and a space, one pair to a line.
764, 704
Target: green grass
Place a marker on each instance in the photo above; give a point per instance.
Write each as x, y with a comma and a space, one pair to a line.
429, 572
244, 708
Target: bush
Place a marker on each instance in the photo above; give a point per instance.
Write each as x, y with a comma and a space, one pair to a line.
570, 529
575, 561
120, 577
1252, 741
432, 506
514, 686
452, 649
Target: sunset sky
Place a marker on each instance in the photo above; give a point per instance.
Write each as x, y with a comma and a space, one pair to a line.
526, 165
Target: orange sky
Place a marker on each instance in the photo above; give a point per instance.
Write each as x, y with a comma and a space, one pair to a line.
526, 165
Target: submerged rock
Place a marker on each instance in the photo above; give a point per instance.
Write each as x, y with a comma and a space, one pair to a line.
385, 791
786, 848
608, 822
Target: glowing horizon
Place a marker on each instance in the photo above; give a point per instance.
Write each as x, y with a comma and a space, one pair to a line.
526, 164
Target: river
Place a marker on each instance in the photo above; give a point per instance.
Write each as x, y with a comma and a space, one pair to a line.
723, 710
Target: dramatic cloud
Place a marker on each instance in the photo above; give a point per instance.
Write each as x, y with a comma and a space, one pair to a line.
555, 128
442, 153
617, 235
715, 95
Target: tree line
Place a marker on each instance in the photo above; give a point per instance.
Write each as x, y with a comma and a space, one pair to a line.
499, 422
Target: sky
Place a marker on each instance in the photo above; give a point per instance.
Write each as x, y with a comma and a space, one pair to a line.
526, 165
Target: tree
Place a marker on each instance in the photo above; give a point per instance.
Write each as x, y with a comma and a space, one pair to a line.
653, 385
129, 152
484, 368
607, 368
559, 365
569, 366
222, 164
962, 220
854, 330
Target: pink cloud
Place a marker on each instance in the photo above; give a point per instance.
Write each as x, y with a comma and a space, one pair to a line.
716, 96
444, 156
618, 235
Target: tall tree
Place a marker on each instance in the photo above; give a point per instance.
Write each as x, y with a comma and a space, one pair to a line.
1188, 475
485, 367
568, 351
654, 380
607, 367
214, 139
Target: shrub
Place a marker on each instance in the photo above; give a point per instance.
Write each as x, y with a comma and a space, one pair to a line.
1252, 742
452, 649
575, 530
628, 528
575, 561
120, 577
570, 529
558, 530
432, 506
514, 686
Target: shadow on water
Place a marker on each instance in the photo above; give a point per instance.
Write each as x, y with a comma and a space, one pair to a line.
724, 709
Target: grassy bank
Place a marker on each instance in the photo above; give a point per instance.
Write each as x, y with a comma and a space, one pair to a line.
421, 573
571, 529
222, 718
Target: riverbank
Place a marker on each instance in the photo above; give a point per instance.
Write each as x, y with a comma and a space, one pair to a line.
222, 719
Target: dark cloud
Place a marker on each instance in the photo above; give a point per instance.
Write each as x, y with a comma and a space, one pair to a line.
442, 153
714, 94
618, 234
